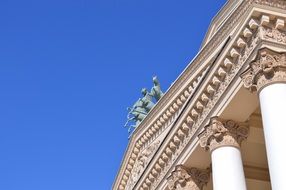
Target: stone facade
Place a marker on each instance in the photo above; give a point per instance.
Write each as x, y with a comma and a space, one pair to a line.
213, 104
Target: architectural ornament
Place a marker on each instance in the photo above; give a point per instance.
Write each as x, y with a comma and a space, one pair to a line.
220, 132
273, 34
142, 161
183, 178
273, 3
269, 67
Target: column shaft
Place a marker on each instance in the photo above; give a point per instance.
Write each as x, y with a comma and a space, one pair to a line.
227, 169
273, 105
223, 139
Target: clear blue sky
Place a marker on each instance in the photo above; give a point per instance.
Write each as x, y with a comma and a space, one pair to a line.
69, 69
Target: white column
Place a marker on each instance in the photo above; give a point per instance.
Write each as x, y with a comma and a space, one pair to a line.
223, 138
227, 169
273, 108
267, 76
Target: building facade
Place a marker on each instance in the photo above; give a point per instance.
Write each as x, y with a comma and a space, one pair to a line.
221, 125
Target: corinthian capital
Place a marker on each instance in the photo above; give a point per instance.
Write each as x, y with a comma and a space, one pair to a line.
269, 67
183, 178
220, 132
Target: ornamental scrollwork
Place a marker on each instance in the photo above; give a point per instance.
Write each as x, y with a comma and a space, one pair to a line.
142, 161
273, 34
183, 178
220, 132
273, 3
269, 67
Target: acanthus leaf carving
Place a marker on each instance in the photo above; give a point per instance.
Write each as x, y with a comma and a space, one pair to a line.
220, 132
183, 178
273, 34
269, 67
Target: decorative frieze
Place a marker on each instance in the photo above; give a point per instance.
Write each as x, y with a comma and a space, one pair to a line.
220, 132
269, 67
273, 3
183, 178
273, 34
141, 162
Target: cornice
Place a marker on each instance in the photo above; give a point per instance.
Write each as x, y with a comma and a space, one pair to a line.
219, 18
151, 127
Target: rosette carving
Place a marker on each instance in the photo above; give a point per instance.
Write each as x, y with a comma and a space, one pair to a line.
220, 132
183, 178
269, 67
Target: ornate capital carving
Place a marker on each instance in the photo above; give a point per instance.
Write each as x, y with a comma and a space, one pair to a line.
269, 67
183, 178
221, 132
273, 3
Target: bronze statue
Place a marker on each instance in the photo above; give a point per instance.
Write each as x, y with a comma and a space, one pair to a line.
156, 91
143, 105
147, 99
137, 113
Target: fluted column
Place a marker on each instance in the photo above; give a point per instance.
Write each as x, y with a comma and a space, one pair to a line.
223, 138
183, 178
267, 76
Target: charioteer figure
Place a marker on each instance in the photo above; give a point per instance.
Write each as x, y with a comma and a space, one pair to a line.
143, 105
156, 91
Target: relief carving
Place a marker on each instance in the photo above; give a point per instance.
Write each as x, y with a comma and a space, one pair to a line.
183, 178
220, 132
272, 3
142, 161
273, 34
269, 67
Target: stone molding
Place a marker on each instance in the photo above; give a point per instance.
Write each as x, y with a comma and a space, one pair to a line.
268, 68
200, 109
219, 133
141, 162
183, 178
274, 34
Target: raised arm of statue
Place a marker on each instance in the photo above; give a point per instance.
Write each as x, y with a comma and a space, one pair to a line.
156, 91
